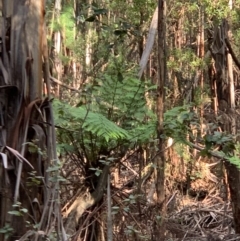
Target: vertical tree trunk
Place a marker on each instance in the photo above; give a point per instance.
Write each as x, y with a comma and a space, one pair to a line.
88, 48
21, 99
57, 48
162, 75
201, 55
226, 101
230, 77
232, 170
23, 63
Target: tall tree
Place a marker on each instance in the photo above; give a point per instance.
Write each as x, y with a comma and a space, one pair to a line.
229, 95
57, 69
27, 122
162, 79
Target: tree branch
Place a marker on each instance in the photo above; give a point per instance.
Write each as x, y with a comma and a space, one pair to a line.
64, 85
232, 53
212, 153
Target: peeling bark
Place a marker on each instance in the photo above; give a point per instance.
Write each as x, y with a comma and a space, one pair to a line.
85, 201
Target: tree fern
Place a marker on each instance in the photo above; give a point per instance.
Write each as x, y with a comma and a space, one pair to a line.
111, 112
122, 99
82, 119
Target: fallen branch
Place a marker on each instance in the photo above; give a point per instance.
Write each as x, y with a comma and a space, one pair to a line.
64, 85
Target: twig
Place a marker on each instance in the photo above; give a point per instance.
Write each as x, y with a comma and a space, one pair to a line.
171, 198
64, 85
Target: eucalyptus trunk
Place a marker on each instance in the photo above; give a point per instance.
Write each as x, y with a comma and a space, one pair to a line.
23, 116
57, 48
232, 170
223, 54
162, 76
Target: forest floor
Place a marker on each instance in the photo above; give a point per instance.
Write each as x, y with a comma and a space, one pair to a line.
210, 219
201, 212
197, 211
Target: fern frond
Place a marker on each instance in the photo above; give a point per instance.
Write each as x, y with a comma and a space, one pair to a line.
124, 100
89, 121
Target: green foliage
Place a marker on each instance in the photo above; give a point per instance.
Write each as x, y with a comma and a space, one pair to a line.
55, 177
96, 12
122, 99
87, 121
34, 148
132, 199
19, 210
65, 23
234, 158
97, 171
131, 229
216, 10
201, 95
34, 179
7, 230
114, 113
185, 61
177, 121
219, 138
68, 23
